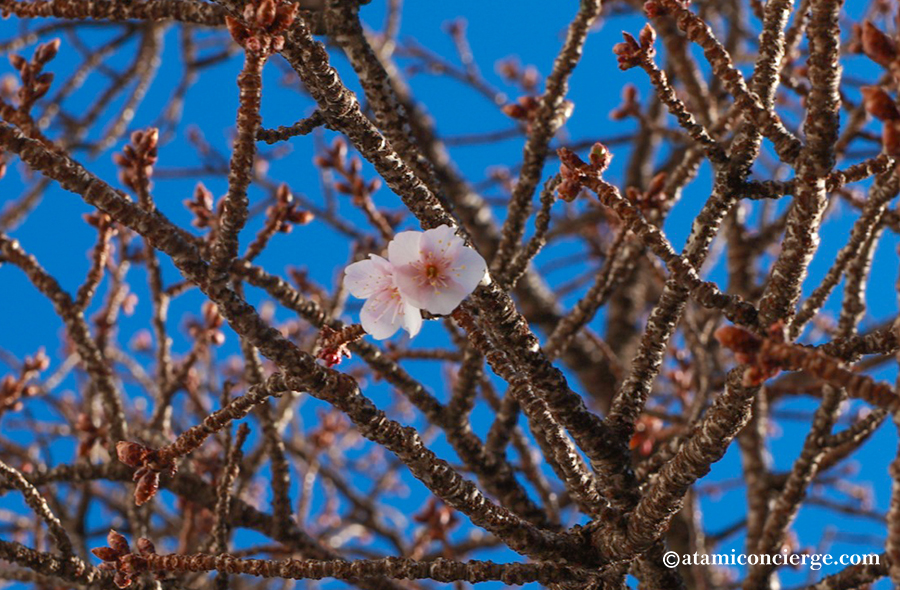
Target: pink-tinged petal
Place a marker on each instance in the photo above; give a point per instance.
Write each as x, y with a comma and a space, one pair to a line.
381, 315
467, 268
438, 299
411, 286
439, 240
367, 277
404, 248
443, 300
412, 319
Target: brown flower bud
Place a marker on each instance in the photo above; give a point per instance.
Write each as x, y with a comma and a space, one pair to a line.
657, 184
145, 546
47, 51
131, 453
568, 190
514, 111
105, 553
744, 343
284, 17
301, 217
17, 61
42, 84
879, 104
238, 31
117, 543
890, 138
654, 9
570, 159
629, 52
265, 13
647, 37
146, 487
600, 157
877, 46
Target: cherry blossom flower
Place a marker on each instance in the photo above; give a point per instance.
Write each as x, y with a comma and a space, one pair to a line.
434, 270
385, 310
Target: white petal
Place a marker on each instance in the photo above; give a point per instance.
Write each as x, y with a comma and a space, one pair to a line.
467, 268
404, 248
412, 319
381, 315
367, 277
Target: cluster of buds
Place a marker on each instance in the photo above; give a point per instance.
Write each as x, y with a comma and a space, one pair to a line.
333, 343
335, 158
648, 431
632, 52
524, 109
117, 557
202, 205
280, 217
138, 158
332, 425
439, 519
142, 341
284, 212
503, 176
651, 199
751, 349
880, 105
353, 184
13, 388
148, 464
681, 375
102, 222
208, 330
654, 9
770, 354
574, 170
512, 72
878, 47
90, 434
631, 105
264, 22
35, 82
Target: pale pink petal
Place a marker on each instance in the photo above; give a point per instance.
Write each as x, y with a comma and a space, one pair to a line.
467, 268
381, 315
367, 277
439, 240
437, 299
443, 300
412, 288
412, 319
404, 248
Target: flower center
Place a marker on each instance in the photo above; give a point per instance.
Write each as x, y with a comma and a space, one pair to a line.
431, 271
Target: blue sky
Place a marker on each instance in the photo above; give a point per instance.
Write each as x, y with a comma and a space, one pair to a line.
533, 32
